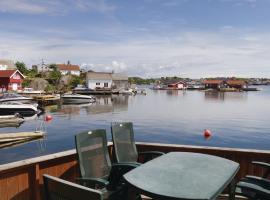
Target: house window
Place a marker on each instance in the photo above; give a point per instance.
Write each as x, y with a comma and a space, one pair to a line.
106, 84
97, 83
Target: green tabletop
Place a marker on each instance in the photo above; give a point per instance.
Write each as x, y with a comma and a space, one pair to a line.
182, 175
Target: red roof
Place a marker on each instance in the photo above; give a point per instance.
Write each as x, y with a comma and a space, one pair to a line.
212, 81
236, 82
7, 73
68, 67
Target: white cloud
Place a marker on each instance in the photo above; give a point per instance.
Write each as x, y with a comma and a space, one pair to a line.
22, 6
53, 7
190, 54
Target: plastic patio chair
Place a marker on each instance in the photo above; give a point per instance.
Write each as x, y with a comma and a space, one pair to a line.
124, 144
95, 165
254, 187
59, 189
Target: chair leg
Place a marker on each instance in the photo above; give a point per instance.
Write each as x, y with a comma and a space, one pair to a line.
232, 186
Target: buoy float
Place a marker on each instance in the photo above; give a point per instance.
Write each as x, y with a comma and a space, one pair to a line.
207, 133
48, 118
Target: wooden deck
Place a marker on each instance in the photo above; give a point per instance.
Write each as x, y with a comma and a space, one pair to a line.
23, 180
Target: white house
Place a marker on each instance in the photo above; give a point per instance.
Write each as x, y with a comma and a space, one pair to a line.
98, 80
69, 69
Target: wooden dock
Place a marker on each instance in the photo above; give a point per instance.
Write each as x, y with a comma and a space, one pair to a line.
14, 137
10, 121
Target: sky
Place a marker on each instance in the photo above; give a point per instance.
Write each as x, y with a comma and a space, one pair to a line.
146, 38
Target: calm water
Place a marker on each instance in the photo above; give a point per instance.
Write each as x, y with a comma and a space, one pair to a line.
239, 120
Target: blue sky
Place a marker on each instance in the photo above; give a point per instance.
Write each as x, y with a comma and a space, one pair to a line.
148, 38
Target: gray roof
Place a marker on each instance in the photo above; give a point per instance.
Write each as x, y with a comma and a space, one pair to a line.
119, 77
106, 76
98, 76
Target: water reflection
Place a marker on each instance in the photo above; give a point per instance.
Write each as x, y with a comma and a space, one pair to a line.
222, 96
103, 104
176, 92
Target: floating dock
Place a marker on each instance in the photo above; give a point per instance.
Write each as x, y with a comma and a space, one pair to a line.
20, 136
10, 121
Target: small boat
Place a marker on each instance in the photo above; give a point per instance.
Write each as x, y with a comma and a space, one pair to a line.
11, 120
251, 89
126, 91
13, 107
77, 98
5, 97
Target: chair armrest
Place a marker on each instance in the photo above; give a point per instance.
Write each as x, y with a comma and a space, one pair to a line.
117, 172
264, 165
252, 190
96, 183
261, 164
149, 155
258, 181
124, 167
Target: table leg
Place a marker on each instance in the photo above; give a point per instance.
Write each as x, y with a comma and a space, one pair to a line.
232, 190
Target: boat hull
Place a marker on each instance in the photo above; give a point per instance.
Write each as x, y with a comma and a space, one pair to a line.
67, 100
21, 111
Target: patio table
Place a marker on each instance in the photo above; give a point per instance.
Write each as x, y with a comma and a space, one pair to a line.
183, 175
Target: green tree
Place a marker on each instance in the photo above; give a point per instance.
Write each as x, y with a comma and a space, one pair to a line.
54, 77
75, 80
21, 67
53, 67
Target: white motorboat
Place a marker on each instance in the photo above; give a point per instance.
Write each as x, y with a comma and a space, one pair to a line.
7, 97
13, 107
126, 91
77, 98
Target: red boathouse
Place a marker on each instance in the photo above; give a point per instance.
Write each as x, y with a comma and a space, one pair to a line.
10, 80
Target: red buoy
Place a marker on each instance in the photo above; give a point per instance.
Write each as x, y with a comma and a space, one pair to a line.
207, 133
48, 118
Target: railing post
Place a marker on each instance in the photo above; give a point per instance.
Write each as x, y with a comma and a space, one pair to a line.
34, 182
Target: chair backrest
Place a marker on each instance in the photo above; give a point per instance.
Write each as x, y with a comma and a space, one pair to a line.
93, 156
59, 189
124, 142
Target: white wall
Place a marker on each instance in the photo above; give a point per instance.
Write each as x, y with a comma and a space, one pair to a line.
65, 72
92, 83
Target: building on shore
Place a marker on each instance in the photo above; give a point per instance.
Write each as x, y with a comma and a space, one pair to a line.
178, 85
119, 81
7, 65
69, 69
214, 84
10, 80
106, 81
225, 84
237, 84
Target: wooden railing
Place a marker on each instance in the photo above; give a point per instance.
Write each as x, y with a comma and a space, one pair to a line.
23, 180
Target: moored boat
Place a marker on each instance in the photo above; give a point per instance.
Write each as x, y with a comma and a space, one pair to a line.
5, 97
13, 107
77, 98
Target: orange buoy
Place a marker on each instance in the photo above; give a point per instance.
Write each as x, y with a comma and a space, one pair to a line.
207, 133
48, 118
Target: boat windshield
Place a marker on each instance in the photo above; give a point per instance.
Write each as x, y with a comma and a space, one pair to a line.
9, 96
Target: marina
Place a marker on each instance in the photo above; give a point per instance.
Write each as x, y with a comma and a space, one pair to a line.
236, 125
